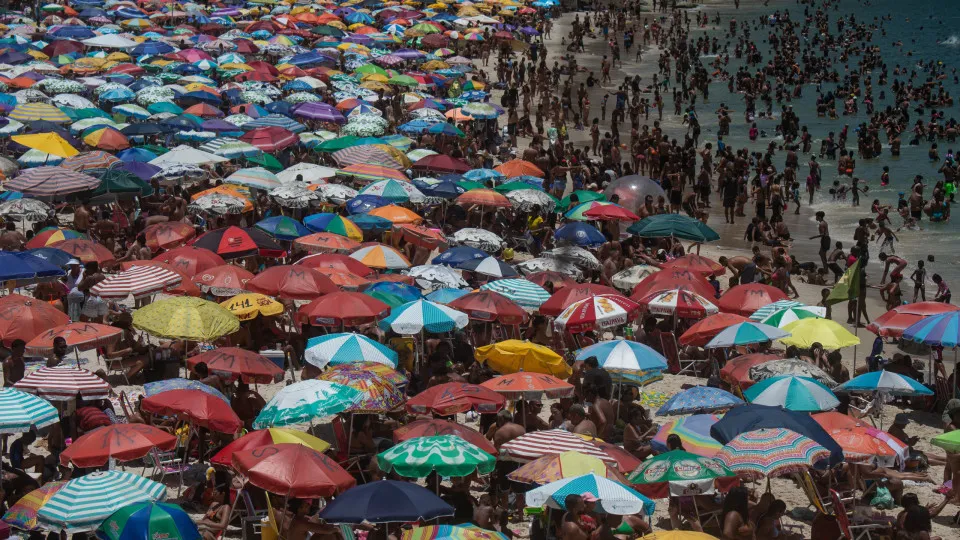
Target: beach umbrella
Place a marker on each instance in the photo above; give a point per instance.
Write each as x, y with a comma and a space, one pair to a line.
674, 279
292, 282
148, 520
694, 433
23, 514
575, 255
378, 393
699, 399
233, 242
830, 334
452, 398
600, 311
762, 313
579, 233
386, 501
381, 256
612, 497
421, 236
770, 452
537, 444
949, 441
256, 177
346, 348
745, 299
292, 196
529, 386
518, 167
247, 306
122, 442
305, 401
894, 322
428, 276
83, 503
234, 362
447, 455
885, 382
24, 209
434, 426
457, 255
178, 383
623, 355
783, 317
524, 293
481, 239
333, 223
450, 532
168, 235
678, 303
679, 473
51, 182
861, 443
190, 260
568, 464
25, 318
751, 417
326, 243
26, 267
701, 332
186, 318
20, 412
673, 226
220, 203
200, 408
745, 333
514, 355
488, 306
423, 316
49, 143
85, 250
343, 309
793, 393
942, 329
63, 383
80, 335
778, 367
138, 281
489, 266
264, 437
292, 470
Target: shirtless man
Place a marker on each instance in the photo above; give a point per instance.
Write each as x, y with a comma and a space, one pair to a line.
600, 412
824, 236
833, 261
504, 430
898, 263
579, 422
11, 239
82, 217
570, 528
737, 265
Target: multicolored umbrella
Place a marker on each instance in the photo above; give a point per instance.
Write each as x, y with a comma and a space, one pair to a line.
377, 394
678, 303
597, 312
381, 256
777, 367
305, 401
536, 444
447, 455
885, 382
770, 452
785, 316
942, 329
612, 497
678, 473
792, 392
694, 433
20, 412
51, 182
745, 333
148, 521
699, 399
567, 464
264, 437
23, 514
84, 503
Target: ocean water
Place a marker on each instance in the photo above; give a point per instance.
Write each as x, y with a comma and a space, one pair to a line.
928, 32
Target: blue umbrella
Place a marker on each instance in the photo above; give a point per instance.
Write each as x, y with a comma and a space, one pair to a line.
407, 293
370, 223
581, 234
458, 255
152, 47
154, 388
699, 399
23, 266
54, 256
280, 227
136, 154
941, 329
385, 501
753, 417
446, 295
885, 382
347, 348
363, 203
624, 355
144, 171
444, 189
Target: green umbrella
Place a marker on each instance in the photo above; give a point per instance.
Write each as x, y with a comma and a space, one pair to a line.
391, 300
678, 473
267, 161
121, 182
164, 107
346, 142
403, 80
305, 401
948, 441
512, 186
470, 184
145, 521
673, 226
582, 197
155, 148
371, 69
447, 455
786, 316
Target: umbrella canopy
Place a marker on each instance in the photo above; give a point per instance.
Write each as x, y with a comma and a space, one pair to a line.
190, 260
513, 355
529, 386
489, 306
423, 316
537, 444
21, 412
138, 281
942, 329
885, 382
264, 437
147, 520
524, 293
699, 399
51, 182
673, 226
861, 443
754, 417
830, 334
23, 514
293, 470
247, 306
612, 497
223, 280
452, 398
168, 235
770, 452
346, 348
597, 312
84, 503
679, 303
745, 299
434, 426
694, 433
567, 464
447, 455
386, 501
745, 333
620, 355
292, 282
122, 442
25, 318
783, 317
381, 256
777, 367
566, 296
196, 406
304, 401
674, 279
63, 383
377, 392
793, 393
949, 441
234, 362
701, 332
192, 319
696, 263
678, 473
79, 335
894, 322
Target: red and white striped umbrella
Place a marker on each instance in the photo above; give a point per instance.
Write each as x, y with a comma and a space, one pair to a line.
543, 443
599, 311
683, 304
139, 281
62, 383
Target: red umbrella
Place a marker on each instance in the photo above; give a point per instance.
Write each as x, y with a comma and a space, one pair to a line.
420, 235
123, 442
342, 263
168, 235
566, 296
294, 282
703, 331
25, 318
394, 278
490, 306
190, 260
452, 398
737, 370
696, 263
435, 426
248, 365
223, 280
324, 242
611, 212
626, 462
345, 280
270, 139
674, 279
549, 276
894, 322
184, 288
82, 335
343, 309
85, 250
441, 163
199, 407
745, 299
293, 470
233, 242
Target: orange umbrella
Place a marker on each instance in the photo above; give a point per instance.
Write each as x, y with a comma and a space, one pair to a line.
168, 235
396, 214
82, 335
421, 236
204, 110
484, 197
706, 329
25, 318
344, 280
737, 371
832, 420
696, 263
861, 444
530, 386
519, 167
324, 242
85, 250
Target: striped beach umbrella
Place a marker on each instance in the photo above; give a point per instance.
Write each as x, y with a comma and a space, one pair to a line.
371, 172
679, 303
381, 256
90, 160
395, 191
745, 333
63, 383
33, 112
788, 315
794, 393
537, 444
694, 433
255, 177
612, 497
447, 455
600, 311
347, 348
770, 452
885, 382
526, 294
333, 223
942, 329
423, 316
305, 401
51, 181
383, 155
624, 355
769, 309
21, 412
139, 281
85, 502
23, 514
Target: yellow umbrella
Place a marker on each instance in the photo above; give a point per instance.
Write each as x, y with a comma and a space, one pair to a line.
51, 143
247, 306
118, 56
514, 355
830, 334
187, 318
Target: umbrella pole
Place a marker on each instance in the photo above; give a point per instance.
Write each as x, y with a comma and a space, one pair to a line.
855, 327
76, 352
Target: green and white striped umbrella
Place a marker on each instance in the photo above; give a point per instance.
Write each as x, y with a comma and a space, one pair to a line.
770, 309
20, 411
85, 502
786, 316
448, 455
304, 401
526, 294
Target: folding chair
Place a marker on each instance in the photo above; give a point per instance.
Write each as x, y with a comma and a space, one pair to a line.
668, 342
350, 462
809, 488
850, 531
251, 518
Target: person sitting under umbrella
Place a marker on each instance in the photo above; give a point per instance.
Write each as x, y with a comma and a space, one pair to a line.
217, 517
131, 353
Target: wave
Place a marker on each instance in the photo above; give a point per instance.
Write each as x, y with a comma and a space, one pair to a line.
952, 41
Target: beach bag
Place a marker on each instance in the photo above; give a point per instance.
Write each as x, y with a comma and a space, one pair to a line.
883, 499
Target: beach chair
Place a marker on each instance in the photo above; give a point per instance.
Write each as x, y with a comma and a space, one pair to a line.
849, 530
809, 488
251, 518
350, 462
676, 365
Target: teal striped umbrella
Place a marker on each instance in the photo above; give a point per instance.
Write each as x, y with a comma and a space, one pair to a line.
304, 401
746, 333
786, 316
20, 411
85, 502
423, 316
526, 294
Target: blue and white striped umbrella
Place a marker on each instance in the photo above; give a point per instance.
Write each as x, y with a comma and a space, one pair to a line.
794, 393
698, 400
85, 502
446, 295
885, 382
347, 348
423, 316
20, 411
230, 148
624, 355
613, 497
136, 111
526, 294
275, 120
942, 329
746, 333
37, 158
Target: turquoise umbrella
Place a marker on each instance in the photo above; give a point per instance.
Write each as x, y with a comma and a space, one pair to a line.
20, 412
795, 393
85, 502
673, 226
306, 401
746, 333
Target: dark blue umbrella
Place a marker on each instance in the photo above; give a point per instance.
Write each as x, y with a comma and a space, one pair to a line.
136, 154
92, 12
151, 128
140, 84
581, 234
179, 122
144, 171
54, 256
73, 32
19, 266
279, 107
153, 47
444, 190
16, 57
753, 417
361, 204
385, 501
459, 255
200, 96
220, 126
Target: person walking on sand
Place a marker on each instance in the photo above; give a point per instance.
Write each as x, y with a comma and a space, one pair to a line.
824, 235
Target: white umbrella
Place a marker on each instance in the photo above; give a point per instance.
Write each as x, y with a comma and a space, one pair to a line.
549, 264
293, 196
308, 172
575, 255
478, 238
431, 275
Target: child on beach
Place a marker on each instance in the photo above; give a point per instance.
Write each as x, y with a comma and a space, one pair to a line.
919, 277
